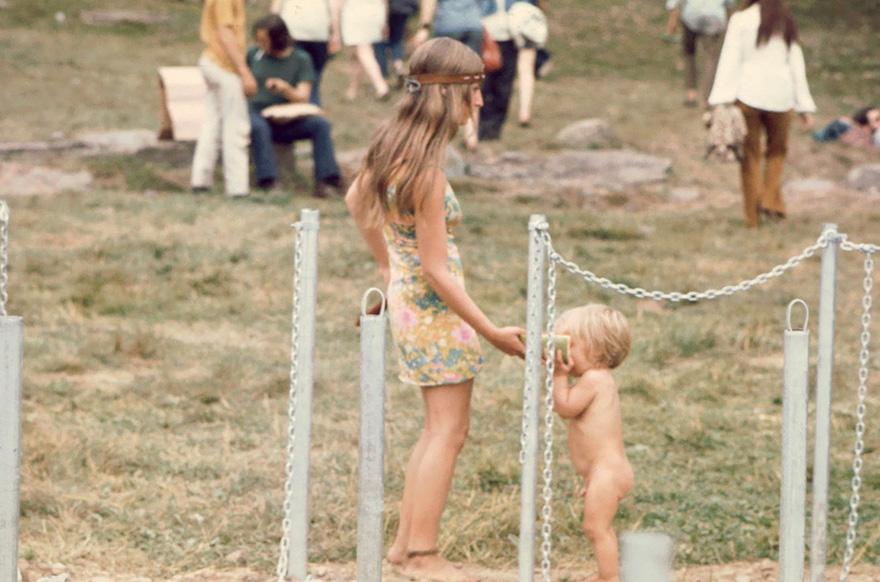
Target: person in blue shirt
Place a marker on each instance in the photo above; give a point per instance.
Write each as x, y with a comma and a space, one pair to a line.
284, 74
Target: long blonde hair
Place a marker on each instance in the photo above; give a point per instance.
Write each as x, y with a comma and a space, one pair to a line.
406, 147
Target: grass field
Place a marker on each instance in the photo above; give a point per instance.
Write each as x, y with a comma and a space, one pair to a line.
158, 322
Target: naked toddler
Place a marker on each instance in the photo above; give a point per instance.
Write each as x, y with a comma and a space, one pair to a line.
600, 341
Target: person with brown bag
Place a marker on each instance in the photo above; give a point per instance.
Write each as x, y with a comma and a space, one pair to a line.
762, 71
459, 20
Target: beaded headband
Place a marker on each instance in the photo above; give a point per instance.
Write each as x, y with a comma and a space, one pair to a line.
414, 83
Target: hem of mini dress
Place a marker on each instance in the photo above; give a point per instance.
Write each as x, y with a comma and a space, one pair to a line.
459, 380
432, 385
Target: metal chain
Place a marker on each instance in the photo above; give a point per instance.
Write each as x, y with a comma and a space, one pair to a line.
860, 247
692, 296
281, 570
860, 419
547, 492
4, 255
532, 300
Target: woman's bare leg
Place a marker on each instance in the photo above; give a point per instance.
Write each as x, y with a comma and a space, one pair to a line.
397, 552
429, 478
367, 58
354, 77
525, 64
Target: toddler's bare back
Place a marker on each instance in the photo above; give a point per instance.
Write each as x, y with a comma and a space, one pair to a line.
595, 437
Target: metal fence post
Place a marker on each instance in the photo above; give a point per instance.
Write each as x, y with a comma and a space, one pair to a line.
793, 495
298, 556
371, 466
824, 370
531, 398
11, 353
11, 350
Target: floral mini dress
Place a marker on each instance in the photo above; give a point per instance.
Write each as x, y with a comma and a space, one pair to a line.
435, 346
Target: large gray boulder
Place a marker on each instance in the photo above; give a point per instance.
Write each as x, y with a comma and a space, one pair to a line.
865, 178
587, 134
21, 180
455, 167
123, 141
611, 170
809, 186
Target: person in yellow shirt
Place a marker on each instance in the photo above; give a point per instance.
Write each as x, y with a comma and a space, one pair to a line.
226, 125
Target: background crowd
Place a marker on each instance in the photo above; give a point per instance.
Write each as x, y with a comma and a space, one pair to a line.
751, 58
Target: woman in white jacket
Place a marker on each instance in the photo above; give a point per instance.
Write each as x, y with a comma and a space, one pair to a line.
761, 69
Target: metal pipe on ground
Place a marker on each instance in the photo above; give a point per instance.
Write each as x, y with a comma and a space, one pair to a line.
645, 557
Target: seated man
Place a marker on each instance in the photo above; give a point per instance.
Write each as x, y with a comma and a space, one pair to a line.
284, 74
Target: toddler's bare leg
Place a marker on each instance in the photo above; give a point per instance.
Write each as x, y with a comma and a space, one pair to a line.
600, 504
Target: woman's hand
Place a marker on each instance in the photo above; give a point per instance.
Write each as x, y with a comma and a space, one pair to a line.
806, 120
419, 38
507, 340
385, 272
248, 83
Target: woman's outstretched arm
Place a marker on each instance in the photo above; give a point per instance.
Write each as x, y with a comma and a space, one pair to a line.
431, 240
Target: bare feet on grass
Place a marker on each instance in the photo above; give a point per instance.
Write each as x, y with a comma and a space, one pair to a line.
436, 568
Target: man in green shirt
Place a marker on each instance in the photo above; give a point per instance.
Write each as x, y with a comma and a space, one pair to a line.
285, 74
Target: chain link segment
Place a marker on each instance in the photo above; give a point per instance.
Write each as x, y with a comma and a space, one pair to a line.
4, 256
692, 296
857, 247
547, 491
859, 447
281, 570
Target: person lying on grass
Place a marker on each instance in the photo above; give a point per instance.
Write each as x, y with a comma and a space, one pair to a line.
600, 341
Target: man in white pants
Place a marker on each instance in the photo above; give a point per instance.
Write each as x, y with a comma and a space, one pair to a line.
226, 124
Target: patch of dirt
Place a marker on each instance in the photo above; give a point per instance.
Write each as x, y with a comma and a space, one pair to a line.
764, 570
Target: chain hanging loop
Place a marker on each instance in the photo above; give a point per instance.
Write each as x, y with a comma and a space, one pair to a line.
859, 447
281, 570
691, 296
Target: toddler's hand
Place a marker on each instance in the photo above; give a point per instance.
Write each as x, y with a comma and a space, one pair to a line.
560, 366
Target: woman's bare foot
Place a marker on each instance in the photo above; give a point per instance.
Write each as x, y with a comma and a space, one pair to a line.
396, 556
433, 566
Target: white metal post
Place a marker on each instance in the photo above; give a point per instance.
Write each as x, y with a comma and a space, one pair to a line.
824, 371
531, 397
298, 557
371, 466
645, 557
11, 350
793, 495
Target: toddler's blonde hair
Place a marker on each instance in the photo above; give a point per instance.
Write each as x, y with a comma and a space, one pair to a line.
604, 333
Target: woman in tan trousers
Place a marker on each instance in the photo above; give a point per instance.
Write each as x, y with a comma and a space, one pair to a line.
762, 70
